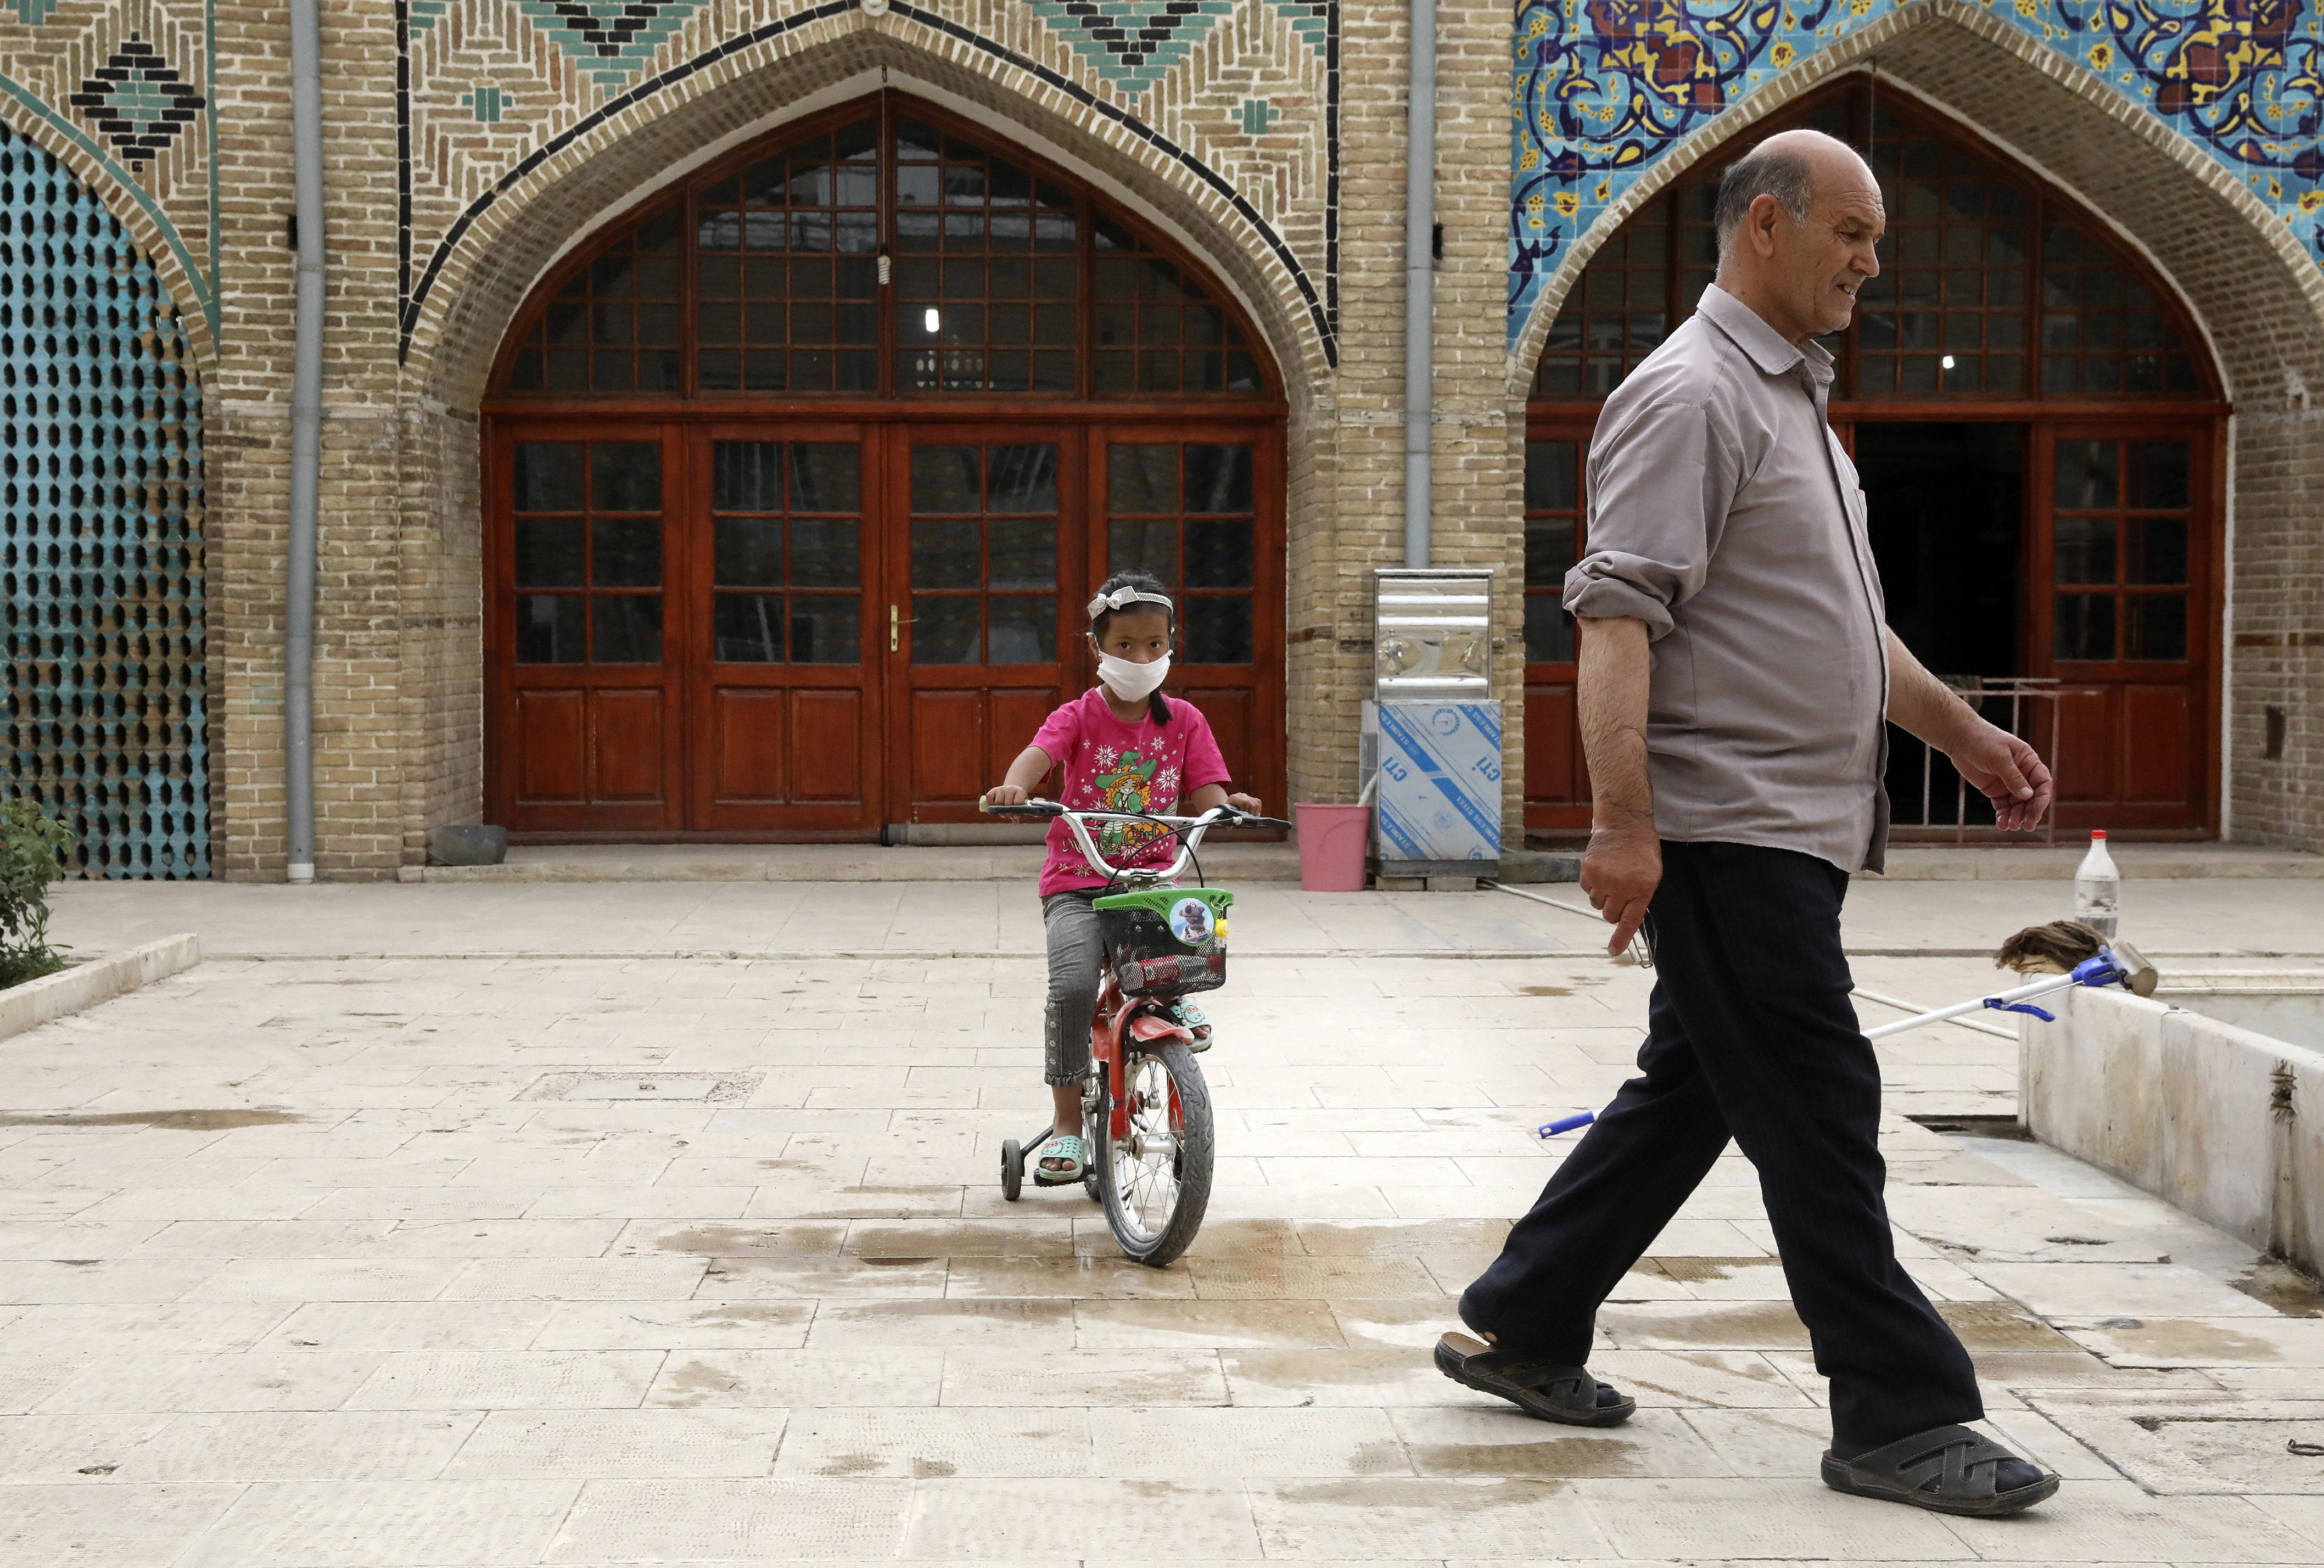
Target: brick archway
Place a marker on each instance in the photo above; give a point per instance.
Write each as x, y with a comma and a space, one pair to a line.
2252, 294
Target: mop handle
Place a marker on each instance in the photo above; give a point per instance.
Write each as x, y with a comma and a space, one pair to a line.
1565, 1124
2102, 970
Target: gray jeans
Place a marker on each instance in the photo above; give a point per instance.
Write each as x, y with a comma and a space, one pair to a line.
1076, 956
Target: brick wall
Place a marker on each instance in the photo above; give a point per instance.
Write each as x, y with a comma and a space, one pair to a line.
399, 666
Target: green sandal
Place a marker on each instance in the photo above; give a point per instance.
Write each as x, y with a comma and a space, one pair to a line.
1195, 1022
1065, 1146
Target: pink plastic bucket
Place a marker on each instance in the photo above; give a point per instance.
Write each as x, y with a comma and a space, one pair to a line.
1332, 841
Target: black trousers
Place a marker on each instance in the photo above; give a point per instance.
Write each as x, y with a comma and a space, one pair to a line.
1750, 1035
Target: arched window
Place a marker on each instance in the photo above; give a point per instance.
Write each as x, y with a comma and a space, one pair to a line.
801, 471
2035, 420
882, 256
1991, 285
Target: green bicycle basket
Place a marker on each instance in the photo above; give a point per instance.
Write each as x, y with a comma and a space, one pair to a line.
1166, 940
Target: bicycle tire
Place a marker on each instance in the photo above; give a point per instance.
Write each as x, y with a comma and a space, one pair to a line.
1012, 1170
1144, 1235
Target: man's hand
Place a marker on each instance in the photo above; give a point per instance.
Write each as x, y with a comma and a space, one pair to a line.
1621, 871
2007, 771
1004, 795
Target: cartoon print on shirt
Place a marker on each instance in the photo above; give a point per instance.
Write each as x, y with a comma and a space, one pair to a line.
1129, 785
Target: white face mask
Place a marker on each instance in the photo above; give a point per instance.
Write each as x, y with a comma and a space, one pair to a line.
1132, 682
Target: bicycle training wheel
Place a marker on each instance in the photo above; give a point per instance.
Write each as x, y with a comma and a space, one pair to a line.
1156, 1180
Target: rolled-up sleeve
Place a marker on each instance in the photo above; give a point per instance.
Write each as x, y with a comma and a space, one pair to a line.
1660, 488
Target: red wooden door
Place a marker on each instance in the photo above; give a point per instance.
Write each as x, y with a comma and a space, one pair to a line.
1199, 507
2122, 601
1556, 781
986, 522
783, 717
585, 542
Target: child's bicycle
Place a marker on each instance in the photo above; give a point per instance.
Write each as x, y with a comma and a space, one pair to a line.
1145, 1112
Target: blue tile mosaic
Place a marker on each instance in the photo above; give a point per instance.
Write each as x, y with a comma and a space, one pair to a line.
1605, 89
103, 672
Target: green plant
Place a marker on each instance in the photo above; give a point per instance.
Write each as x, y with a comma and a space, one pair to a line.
32, 856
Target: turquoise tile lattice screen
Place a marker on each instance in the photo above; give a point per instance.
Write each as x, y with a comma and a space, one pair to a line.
101, 504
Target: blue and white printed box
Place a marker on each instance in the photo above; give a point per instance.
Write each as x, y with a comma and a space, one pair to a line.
1439, 794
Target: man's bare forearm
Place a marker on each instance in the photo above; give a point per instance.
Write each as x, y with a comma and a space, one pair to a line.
1921, 703
1610, 699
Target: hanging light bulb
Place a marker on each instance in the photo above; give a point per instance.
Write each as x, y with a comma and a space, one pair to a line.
933, 320
1947, 362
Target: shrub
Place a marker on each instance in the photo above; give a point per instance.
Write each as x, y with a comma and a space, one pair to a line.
32, 850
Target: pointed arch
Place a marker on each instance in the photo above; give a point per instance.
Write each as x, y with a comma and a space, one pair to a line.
469, 286
2232, 259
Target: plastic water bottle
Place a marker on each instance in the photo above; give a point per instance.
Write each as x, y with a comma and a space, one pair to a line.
2098, 889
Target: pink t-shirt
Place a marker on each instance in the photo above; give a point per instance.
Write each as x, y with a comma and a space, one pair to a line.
1111, 766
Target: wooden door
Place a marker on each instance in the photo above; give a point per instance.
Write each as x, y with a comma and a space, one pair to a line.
2122, 601
584, 542
1556, 780
783, 710
986, 522
1199, 507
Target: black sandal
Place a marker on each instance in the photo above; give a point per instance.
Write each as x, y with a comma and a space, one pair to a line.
1950, 1470
1549, 1390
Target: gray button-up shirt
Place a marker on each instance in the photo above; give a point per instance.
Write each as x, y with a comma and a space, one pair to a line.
1724, 514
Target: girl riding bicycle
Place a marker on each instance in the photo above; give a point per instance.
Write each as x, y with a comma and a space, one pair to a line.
1123, 746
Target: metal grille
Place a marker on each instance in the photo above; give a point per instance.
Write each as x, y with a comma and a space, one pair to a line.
101, 501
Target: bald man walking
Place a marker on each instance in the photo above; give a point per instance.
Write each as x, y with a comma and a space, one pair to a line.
1734, 670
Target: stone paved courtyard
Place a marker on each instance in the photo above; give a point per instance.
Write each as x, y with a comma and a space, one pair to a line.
323, 1261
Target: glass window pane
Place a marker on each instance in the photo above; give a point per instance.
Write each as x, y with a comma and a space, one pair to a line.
1548, 630
947, 478
548, 552
1549, 475
946, 555
1218, 554
2155, 550
746, 476
1146, 545
1218, 629
625, 627
1549, 552
2158, 473
746, 628
1021, 553
945, 631
548, 475
2158, 626
1022, 629
1024, 479
748, 552
2085, 626
2085, 550
825, 629
825, 476
2087, 477
549, 629
625, 553
1218, 478
626, 476
1141, 477
823, 554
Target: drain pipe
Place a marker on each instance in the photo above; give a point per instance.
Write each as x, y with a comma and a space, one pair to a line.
1420, 284
306, 439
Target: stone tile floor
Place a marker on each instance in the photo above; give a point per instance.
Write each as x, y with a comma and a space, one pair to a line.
333, 1262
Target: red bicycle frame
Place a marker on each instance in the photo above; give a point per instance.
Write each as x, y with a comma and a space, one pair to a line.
1120, 1018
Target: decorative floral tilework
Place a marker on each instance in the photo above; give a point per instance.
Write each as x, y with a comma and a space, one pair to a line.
1604, 88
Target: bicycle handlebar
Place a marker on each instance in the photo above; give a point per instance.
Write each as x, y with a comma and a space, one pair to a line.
1187, 830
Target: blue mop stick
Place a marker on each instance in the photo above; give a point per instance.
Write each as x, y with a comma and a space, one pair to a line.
1565, 1124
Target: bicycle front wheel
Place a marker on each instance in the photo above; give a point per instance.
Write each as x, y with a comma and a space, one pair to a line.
1155, 1179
